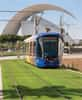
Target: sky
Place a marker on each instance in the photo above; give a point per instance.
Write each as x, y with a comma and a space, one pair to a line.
72, 26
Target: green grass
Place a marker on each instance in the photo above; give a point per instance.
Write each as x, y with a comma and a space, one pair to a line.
39, 84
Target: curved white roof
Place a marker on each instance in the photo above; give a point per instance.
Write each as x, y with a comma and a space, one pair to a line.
13, 26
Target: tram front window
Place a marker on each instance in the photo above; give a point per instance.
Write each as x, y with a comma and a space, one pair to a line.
49, 46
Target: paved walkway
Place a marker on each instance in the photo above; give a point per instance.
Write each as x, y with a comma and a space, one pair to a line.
1, 94
11, 57
72, 56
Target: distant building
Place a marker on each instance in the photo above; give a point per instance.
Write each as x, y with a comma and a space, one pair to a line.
27, 27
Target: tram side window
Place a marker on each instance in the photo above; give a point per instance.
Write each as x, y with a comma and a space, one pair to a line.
30, 48
34, 48
39, 52
30, 52
27, 48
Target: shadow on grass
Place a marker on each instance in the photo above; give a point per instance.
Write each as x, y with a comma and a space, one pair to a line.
50, 91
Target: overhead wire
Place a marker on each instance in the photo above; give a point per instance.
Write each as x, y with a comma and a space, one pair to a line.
12, 11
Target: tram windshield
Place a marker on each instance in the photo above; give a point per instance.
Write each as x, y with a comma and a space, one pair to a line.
49, 46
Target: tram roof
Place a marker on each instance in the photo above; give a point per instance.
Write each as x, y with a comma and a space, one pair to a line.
34, 37
49, 33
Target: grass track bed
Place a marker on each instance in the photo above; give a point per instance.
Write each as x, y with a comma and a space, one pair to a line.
39, 84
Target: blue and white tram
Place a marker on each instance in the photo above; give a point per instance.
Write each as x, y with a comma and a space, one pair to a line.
45, 49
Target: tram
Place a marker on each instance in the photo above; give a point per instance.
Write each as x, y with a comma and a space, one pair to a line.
45, 49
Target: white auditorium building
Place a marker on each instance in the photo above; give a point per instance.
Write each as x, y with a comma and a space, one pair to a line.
27, 28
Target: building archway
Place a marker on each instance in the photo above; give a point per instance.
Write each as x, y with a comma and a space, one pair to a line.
13, 27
